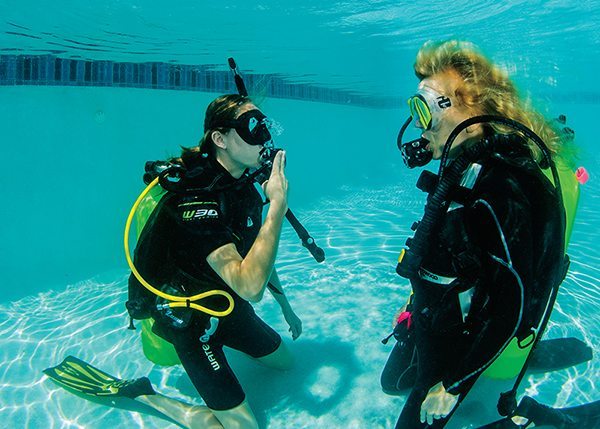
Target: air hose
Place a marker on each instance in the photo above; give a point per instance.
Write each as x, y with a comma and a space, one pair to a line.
176, 301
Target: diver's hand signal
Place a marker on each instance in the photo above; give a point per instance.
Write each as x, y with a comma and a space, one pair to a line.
276, 187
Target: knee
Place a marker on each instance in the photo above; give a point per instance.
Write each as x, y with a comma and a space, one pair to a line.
287, 364
237, 417
281, 359
388, 384
395, 382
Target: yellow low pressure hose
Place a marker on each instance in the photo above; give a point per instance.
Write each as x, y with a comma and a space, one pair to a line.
177, 301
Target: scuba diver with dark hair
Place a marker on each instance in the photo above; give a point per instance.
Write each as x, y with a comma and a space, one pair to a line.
210, 236
488, 256
203, 255
204, 247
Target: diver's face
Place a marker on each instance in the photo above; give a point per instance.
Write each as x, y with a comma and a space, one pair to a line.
242, 153
443, 83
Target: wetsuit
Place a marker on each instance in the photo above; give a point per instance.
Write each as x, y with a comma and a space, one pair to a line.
486, 278
171, 252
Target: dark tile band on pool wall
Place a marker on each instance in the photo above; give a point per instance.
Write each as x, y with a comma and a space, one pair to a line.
54, 71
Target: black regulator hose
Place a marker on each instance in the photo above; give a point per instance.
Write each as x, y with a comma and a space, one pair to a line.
408, 266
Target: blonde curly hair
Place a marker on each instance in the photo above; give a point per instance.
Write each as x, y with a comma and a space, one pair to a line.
486, 89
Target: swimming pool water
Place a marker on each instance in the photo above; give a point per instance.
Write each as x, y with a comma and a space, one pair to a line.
346, 305
73, 158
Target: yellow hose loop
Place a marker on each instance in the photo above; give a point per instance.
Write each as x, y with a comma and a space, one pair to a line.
179, 301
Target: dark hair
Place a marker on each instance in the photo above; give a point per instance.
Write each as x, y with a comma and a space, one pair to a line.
222, 109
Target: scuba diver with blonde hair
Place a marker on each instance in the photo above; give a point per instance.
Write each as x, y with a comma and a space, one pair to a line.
488, 256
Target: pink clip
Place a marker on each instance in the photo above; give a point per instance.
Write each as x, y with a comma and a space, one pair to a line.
582, 175
405, 315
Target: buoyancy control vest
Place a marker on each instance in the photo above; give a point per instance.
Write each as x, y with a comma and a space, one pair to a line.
457, 190
152, 253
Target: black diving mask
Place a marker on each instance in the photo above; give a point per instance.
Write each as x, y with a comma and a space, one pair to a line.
252, 126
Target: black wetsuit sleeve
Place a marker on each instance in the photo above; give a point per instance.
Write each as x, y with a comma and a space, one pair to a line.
499, 222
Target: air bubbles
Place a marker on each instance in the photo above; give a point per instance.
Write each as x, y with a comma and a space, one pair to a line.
99, 116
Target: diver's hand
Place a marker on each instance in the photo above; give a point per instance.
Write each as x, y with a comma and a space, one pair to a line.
293, 321
437, 404
276, 187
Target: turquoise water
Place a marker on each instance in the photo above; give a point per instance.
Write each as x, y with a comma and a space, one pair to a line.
74, 158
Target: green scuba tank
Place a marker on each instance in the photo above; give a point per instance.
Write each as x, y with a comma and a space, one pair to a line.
156, 349
570, 192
